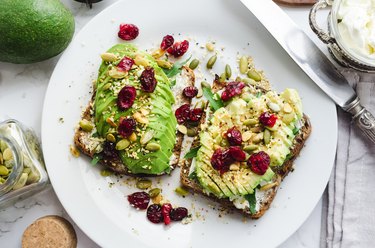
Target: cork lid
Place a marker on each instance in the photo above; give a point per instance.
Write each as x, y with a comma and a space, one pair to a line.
50, 231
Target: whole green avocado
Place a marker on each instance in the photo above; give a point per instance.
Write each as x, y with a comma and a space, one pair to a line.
33, 30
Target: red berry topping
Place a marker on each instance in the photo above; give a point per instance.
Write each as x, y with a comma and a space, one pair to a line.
154, 213
167, 41
237, 154
139, 200
267, 119
190, 91
148, 80
221, 160
126, 97
179, 48
259, 162
126, 126
128, 31
109, 151
182, 113
232, 89
177, 214
195, 114
125, 64
234, 136
165, 211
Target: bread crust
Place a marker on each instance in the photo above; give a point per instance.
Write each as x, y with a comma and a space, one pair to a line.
269, 194
81, 138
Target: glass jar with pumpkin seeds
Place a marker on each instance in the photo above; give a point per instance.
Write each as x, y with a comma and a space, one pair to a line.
22, 171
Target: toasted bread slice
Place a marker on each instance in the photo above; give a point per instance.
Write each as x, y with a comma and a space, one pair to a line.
84, 140
265, 196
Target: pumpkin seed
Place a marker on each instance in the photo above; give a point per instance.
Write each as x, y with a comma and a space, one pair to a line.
244, 64
268, 186
122, 144
222, 77
253, 74
107, 86
21, 182
140, 60
257, 138
106, 173
74, 151
143, 184
154, 192
267, 136
108, 57
250, 148
210, 47
228, 71
3, 170
194, 64
153, 147
133, 137
1, 158
33, 177
146, 137
246, 136
211, 62
181, 191
249, 81
111, 122
157, 53
164, 64
191, 132
140, 118
111, 138
86, 125
238, 79
114, 73
182, 129
204, 84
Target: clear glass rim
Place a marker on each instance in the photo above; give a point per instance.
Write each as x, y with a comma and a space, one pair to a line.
339, 40
17, 167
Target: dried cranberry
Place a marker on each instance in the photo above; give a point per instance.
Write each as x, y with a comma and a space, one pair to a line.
195, 114
139, 200
148, 80
177, 214
179, 48
259, 162
234, 136
165, 211
232, 89
267, 119
126, 126
237, 154
190, 91
125, 64
126, 97
109, 151
154, 213
167, 41
221, 160
128, 31
182, 113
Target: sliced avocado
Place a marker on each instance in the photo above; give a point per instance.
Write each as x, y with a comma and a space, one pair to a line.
208, 184
216, 178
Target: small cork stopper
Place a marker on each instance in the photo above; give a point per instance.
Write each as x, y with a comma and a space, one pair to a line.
48, 232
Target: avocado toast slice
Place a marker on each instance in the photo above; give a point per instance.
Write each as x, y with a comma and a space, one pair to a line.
129, 126
234, 174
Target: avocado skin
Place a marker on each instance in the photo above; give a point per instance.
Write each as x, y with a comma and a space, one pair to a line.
33, 30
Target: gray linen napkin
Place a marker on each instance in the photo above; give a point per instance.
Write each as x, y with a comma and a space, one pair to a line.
349, 201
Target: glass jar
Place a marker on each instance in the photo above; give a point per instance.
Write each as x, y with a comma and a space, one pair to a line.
338, 44
22, 171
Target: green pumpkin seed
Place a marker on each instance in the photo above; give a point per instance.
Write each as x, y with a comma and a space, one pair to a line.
181, 191
21, 182
244, 64
211, 62
108, 57
194, 64
143, 184
1, 158
154, 192
86, 125
267, 136
106, 173
253, 74
111, 138
250, 148
238, 79
33, 177
249, 81
115, 73
153, 147
3, 170
122, 144
164, 64
222, 77
250, 122
146, 137
26, 170
107, 86
7, 154
204, 84
192, 132
228, 71
2, 180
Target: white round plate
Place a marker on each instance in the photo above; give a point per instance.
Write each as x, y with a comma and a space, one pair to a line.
98, 204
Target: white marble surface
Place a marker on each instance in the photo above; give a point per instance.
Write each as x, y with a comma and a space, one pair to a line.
22, 90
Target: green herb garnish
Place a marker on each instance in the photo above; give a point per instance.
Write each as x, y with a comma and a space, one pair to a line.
193, 176
252, 202
215, 103
176, 68
192, 153
97, 157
